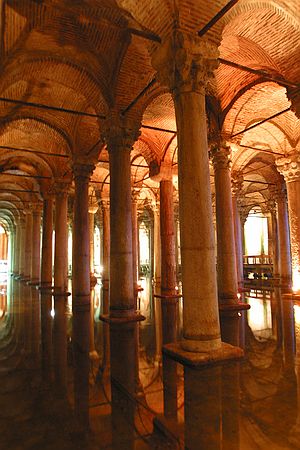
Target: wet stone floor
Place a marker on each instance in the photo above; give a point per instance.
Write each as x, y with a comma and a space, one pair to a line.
132, 396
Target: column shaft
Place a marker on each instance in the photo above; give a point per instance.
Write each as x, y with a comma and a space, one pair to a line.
61, 243
201, 329
293, 193
284, 241
47, 237
36, 247
28, 245
121, 276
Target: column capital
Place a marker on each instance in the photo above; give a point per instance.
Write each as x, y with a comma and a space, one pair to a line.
104, 203
120, 134
37, 208
135, 193
220, 155
278, 192
185, 62
237, 180
83, 166
93, 209
289, 166
60, 187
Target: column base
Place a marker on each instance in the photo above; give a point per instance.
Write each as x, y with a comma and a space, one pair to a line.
45, 288
24, 278
107, 318
61, 293
33, 282
226, 352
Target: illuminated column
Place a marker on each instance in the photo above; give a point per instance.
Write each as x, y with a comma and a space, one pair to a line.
285, 268
16, 267
135, 196
157, 246
81, 295
289, 167
105, 281
119, 142
47, 236
185, 64
61, 238
22, 244
36, 245
237, 183
28, 245
226, 258
273, 238
92, 212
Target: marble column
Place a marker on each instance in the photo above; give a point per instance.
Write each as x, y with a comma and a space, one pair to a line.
28, 246
22, 245
81, 291
290, 169
237, 182
92, 212
36, 245
119, 142
135, 251
47, 237
61, 239
185, 64
157, 246
285, 268
275, 244
105, 283
226, 257
17, 239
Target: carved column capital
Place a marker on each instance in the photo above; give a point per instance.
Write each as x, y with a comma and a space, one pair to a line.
60, 187
82, 169
237, 180
220, 156
105, 204
185, 62
120, 134
278, 192
289, 167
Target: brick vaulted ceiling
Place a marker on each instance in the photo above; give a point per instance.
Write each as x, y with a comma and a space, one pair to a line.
80, 55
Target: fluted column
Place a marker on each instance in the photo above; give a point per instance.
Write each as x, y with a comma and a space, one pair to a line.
226, 257
28, 245
47, 237
290, 169
36, 245
185, 63
61, 238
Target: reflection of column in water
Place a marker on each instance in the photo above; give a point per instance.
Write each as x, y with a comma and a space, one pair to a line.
81, 345
294, 436
123, 339
93, 352
277, 309
60, 344
231, 406
46, 336
36, 326
288, 329
202, 408
26, 300
158, 329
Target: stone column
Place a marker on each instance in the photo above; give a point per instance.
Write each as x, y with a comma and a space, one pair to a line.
237, 182
61, 239
226, 257
290, 169
22, 245
16, 266
119, 142
185, 63
81, 290
36, 245
28, 246
105, 282
92, 212
275, 244
47, 236
285, 268
135, 252
156, 246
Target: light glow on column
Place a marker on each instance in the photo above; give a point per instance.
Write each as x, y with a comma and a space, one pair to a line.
296, 280
256, 235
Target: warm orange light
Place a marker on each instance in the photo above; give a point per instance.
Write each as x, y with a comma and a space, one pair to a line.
296, 280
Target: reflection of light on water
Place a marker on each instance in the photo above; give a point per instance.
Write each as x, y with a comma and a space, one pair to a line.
259, 314
238, 296
297, 314
296, 279
52, 312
